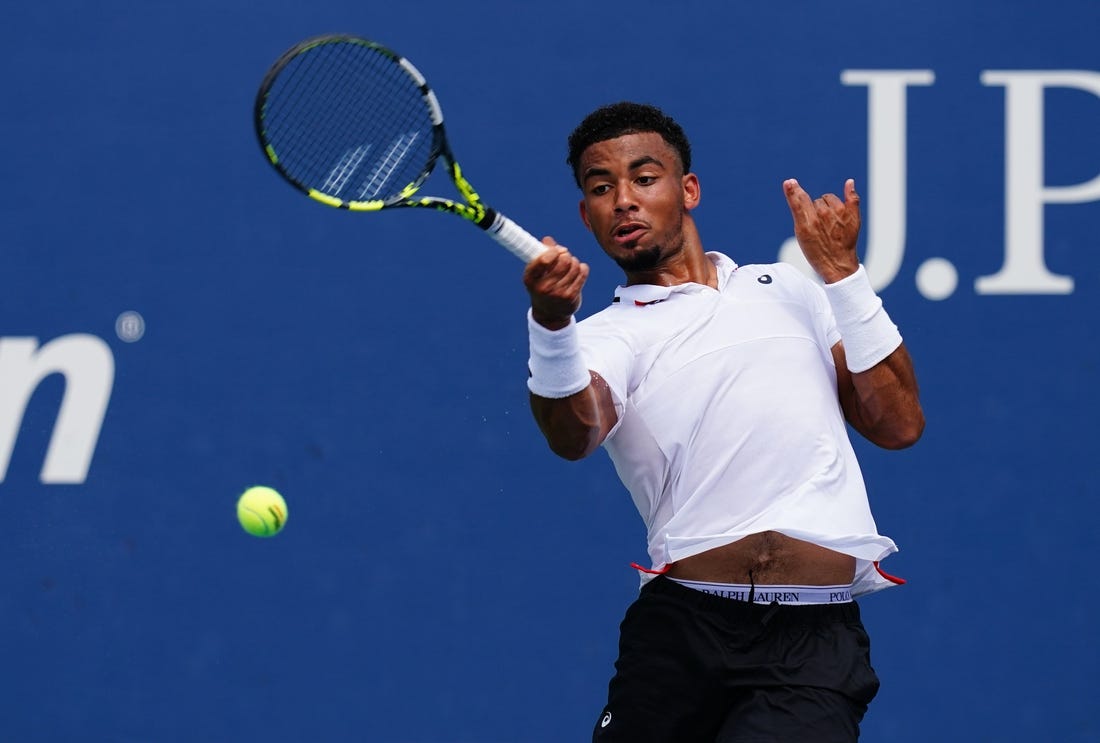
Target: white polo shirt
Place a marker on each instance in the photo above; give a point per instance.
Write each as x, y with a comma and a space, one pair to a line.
729, 419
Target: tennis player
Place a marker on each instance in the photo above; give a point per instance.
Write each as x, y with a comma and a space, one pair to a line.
721, 394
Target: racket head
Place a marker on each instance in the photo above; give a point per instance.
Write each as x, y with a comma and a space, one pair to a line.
350, 122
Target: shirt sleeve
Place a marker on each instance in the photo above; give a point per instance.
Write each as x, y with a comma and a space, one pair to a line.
823, 312
607, 352
828, 320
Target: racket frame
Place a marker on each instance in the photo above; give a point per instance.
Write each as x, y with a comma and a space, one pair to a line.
471, 207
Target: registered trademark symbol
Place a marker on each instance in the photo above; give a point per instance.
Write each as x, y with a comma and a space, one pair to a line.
130, 326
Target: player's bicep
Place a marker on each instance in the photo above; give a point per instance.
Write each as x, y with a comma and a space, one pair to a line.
576, 425
605, 401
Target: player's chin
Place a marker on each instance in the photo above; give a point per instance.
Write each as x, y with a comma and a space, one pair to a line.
637, 258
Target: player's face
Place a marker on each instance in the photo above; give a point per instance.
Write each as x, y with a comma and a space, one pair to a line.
635, 199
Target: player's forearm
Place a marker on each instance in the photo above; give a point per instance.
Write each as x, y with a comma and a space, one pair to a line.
877, 384
885, 407
563, 400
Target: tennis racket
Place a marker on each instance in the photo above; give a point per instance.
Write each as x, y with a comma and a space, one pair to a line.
355, 126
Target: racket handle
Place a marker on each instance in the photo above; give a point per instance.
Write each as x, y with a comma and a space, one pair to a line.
518, 241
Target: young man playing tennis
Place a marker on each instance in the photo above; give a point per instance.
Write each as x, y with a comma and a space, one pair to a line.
721, 394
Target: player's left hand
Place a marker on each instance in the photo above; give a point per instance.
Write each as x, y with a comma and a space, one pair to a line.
826, 228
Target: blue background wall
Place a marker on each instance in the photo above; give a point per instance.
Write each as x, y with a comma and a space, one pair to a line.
443, 578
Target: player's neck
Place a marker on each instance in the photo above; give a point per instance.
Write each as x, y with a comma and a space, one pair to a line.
688, 265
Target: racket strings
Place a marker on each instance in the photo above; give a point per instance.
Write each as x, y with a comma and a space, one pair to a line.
345, 119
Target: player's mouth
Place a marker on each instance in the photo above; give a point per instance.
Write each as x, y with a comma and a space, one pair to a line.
628, 232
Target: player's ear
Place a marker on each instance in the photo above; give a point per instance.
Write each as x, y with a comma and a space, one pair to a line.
692, 191
584, 215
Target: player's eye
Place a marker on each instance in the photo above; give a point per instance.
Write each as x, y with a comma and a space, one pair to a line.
600, 188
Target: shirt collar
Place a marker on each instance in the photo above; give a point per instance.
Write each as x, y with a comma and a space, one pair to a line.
641, 295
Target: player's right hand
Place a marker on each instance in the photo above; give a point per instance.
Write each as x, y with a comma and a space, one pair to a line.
554, 279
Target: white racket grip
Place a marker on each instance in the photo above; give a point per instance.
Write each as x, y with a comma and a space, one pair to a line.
518, 241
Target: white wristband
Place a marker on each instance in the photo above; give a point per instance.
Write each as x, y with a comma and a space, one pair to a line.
557, 369
868, 333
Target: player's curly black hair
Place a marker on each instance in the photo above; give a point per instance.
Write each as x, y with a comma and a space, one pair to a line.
615, 120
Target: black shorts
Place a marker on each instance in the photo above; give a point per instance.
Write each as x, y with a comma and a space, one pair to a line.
699, 668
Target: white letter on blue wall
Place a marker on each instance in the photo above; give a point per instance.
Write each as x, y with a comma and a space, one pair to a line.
887, 137
1024, 270
89, 370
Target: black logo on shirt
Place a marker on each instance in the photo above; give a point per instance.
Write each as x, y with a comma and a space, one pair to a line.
765, 279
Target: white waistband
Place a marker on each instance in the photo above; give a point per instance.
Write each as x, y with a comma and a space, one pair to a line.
793, 595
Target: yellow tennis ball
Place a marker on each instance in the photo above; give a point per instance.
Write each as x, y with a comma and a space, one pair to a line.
261, 511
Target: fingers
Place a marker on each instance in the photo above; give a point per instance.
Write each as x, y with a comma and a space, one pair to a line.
850, 194
807, 212
555, 266
802, 205
564, 275
829, 201
555, 280
827, 228
797, 198
850, 202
